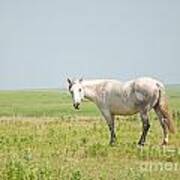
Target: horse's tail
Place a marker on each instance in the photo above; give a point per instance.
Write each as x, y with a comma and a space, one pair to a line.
163, 105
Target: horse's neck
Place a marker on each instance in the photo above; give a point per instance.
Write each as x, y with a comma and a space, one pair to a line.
90, 90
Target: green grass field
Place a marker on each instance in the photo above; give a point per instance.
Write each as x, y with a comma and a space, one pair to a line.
43, 137
38, 103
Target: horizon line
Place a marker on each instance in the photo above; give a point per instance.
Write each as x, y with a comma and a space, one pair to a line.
58, 88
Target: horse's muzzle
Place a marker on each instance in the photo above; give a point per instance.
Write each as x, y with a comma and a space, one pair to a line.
76, 106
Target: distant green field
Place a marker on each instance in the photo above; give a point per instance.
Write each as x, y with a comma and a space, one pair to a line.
57, 103
173, 93
36, 103
43, 138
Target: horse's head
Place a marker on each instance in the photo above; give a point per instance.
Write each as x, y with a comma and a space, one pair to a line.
77, 92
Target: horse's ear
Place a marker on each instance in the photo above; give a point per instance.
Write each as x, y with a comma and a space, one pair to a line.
69, 81
80, 80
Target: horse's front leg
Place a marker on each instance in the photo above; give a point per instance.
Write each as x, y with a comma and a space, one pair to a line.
110, 121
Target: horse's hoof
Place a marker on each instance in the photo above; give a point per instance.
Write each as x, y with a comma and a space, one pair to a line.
113, 143
141, 144
164, 143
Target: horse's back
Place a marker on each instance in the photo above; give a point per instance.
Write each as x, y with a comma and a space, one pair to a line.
147, 84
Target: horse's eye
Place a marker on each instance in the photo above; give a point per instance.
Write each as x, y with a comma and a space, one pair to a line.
79, 89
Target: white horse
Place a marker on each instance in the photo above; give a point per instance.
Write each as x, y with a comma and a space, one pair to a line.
113, 97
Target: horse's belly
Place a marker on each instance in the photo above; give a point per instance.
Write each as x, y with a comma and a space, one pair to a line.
120, 109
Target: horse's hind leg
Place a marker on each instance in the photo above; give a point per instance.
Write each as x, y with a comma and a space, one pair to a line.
146, 126
163, 124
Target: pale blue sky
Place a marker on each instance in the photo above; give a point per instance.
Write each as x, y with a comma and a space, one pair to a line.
42, 42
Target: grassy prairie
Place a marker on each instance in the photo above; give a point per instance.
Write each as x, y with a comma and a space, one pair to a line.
43, 137
57, 103
38, 103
